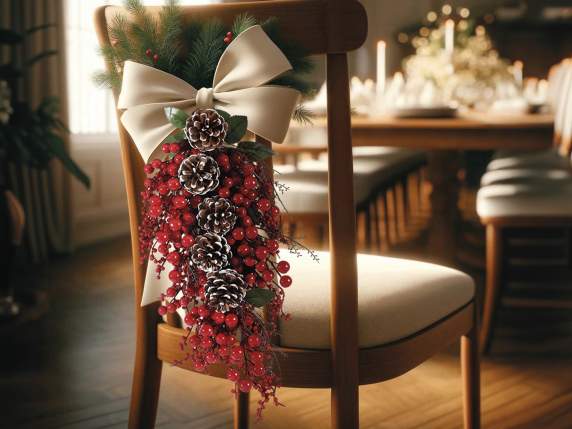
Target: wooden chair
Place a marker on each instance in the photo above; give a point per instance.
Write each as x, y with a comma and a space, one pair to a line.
332, 28
535, 194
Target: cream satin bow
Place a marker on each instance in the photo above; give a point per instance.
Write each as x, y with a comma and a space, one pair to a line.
249, 61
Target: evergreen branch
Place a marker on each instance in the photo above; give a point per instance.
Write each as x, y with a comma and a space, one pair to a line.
242, 22
143, 28
171, 30
303, 115
293, 80
204, 55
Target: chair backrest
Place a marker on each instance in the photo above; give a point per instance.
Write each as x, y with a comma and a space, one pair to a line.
563, 114
333, 28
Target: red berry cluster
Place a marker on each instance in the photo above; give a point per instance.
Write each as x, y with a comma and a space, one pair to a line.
149, 53
228, 37
240, 338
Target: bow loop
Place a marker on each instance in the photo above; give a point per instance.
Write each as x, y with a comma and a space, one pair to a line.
249, 61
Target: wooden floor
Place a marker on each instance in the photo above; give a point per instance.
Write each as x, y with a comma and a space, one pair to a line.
72, 368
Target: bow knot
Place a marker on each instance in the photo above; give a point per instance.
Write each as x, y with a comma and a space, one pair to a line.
248, 63
205, 98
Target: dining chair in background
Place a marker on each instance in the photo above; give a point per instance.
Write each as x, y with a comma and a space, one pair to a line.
531, 192
406, 311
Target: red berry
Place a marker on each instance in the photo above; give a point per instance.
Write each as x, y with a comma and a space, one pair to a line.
195, 201
173, 170
243, 249
256, 357
187, 240
224, 192
236, 353
173, 184
249, 262
175, 224
261, 253
232, 374
254, 341
228, 182
251, 231
171, 291
247, 221
155, 58
148, 169
179, 202
221, 339
162, 310
218, 317
178, 158
263, 204
174, 276
229, 34
231, 321
190, 319
189, 218
155, 211
272, 245
163, 189
148, 52
238, 199
283, 267
199, 365
165, 148
156, 163
162, 237
238, 234
248, 169
275, 211
251, 278
206, 343
171, 308
285, 281
227, 40
261, 267
195, 340
185, 301
203, 311
268, 276
223, 351
250, 182
207, 330
244, 386
223, 159
174, 147
259, 370
211, 358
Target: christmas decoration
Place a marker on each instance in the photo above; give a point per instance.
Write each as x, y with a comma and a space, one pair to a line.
210, 252
206, 129
225, 290
217, 215
199, 174
210, 228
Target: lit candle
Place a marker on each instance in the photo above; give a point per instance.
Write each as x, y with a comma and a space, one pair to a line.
517, 72
380, 68
449, 36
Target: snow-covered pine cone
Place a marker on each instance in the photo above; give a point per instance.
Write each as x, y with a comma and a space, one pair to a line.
225, 290
216, 215
199, 174
210, 252
205, 129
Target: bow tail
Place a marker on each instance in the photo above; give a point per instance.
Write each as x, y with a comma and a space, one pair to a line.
268, 108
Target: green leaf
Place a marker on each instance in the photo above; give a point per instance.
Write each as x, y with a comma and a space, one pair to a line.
259, 297
57, 148
255, 151
237, 128
177, 117
225, 115
175, 138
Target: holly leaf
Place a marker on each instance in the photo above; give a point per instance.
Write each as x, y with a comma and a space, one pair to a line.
259, 297
237, 128
177, 117
255, 151
225, 115
175, 138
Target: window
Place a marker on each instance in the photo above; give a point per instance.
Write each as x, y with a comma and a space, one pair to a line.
91, 108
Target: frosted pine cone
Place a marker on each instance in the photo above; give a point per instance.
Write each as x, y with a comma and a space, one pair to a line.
199, 174
210, 252
225, 290
216, 215
206, 129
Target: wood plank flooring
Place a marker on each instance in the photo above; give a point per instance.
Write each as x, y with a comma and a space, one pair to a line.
72, 368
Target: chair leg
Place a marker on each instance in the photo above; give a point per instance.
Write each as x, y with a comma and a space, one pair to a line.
146, 373
405, 195
386, 218
368, 227
376, 220
493, 284
241, 406
471, 377
345, 408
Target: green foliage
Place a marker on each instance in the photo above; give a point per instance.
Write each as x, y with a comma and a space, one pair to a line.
242, 22
237, 126
255, 151
259, 297
177, 117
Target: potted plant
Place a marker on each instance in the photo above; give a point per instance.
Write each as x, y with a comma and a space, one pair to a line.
28, 136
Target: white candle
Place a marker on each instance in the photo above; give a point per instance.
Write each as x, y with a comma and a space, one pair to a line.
517, 72
449, 36
380, 87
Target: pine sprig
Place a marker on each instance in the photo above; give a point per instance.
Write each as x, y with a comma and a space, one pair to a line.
204, 54
242, 22
171, 30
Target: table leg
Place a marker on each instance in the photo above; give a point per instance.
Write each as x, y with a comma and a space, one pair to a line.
443, 170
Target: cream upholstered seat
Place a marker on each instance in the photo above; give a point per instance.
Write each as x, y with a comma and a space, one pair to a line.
526, 175
396, 298
546, 159
527, 200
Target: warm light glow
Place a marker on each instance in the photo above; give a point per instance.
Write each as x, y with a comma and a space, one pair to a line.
449, 36
380, 87
464, 12
480, 30
447, 9
402, 38
424, 31
517, 69
432, 16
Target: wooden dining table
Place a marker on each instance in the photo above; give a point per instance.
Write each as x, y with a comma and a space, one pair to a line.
444, 139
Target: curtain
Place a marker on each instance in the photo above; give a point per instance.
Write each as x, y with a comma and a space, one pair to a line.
45, 195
